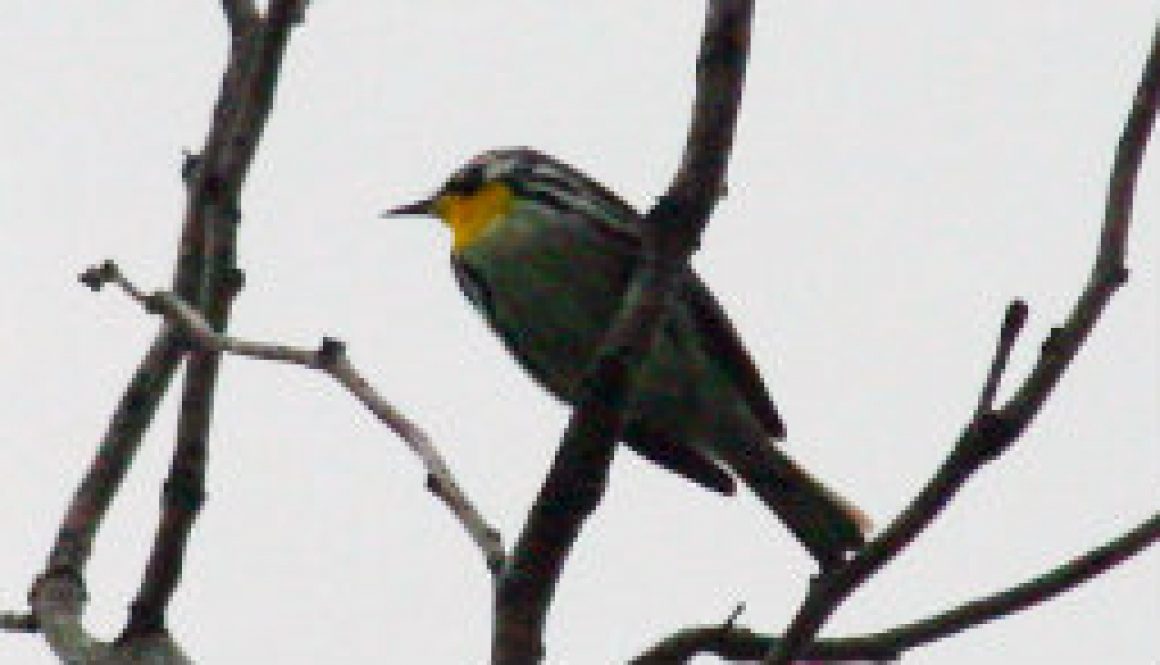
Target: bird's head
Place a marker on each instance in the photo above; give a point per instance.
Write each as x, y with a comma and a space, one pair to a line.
478, 194
486, 188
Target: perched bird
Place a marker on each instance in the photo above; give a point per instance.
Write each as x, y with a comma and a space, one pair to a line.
545, 254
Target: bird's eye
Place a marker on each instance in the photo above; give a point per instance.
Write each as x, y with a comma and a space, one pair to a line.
466, 182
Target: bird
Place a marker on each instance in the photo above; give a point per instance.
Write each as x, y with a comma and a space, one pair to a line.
545, 253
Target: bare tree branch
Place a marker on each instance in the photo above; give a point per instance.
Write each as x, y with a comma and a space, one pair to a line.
1013, 323
739, 644
992, 433
74, 541
578, 476
332, 359
220, 177
1037, 590
240, 15
743, 645
204, 274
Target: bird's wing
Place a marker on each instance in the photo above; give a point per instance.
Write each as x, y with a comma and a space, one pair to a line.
723, 345
669, 452
473, 288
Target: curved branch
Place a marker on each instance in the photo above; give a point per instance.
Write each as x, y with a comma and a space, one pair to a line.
993, 432
576, 481
332, 359
1056, 581
58, 603
740, 644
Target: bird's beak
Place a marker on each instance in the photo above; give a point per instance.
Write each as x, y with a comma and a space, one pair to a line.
422, 207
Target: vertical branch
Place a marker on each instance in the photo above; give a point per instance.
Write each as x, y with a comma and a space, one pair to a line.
204, 274
138, 405
256, 56
577, 479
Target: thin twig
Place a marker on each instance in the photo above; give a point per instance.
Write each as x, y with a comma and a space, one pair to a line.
576, 481
993, 434
1013, 323
330, 357
1108, 272
740, 644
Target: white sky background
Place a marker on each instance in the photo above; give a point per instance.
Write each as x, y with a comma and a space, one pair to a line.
903, 169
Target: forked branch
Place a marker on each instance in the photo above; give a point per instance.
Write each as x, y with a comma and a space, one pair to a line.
331, 358
206, 276
992, 432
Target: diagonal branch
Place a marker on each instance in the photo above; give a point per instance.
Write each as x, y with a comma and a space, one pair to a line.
579, 473
992, 433
1056, 581
332, 359
739, 644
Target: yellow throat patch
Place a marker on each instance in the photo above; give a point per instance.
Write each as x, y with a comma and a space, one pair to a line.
469, 215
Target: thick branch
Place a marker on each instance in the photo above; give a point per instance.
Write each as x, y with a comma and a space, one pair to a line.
672, 229
240, 15
993, 433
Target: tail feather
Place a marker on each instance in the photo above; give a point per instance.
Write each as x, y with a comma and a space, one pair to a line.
825, 523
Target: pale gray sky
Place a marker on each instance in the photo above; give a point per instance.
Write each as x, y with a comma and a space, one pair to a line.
903, 169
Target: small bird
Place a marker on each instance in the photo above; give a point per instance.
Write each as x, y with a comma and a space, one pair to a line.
545, 254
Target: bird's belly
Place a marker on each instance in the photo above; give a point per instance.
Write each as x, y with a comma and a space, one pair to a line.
552, 311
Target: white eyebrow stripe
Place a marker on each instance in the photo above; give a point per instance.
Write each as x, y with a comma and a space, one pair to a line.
497, 168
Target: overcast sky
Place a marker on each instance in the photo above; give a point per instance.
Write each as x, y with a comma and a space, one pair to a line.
902, 170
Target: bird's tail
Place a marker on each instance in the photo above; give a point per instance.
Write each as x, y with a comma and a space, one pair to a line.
828, 525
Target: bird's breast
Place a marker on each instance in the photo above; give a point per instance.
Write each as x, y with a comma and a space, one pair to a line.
549, 290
